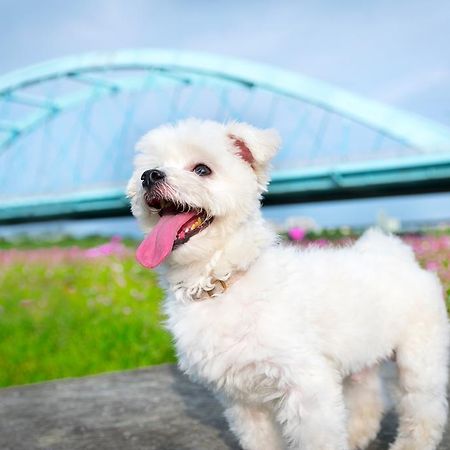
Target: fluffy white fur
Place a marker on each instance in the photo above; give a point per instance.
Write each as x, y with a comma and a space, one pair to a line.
280, 346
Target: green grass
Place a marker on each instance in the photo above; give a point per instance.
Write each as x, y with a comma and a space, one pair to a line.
29, 242
78, 317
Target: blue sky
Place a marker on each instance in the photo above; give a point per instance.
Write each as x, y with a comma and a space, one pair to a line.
397, 52
394, 51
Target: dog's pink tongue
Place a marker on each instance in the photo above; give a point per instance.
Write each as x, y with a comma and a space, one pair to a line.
158, 244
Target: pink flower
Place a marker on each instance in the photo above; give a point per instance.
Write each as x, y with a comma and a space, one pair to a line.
297, 233
113, 247
321, 243
446, 241
433, 265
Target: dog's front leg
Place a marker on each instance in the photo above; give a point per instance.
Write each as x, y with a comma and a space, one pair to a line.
254, 427
313, 415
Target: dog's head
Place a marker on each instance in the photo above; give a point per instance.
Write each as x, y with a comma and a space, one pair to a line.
195, 183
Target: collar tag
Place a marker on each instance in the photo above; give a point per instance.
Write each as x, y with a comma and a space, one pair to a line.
218, 287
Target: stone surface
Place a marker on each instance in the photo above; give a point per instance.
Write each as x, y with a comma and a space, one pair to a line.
154, 409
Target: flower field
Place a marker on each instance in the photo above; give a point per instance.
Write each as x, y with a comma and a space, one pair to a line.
73, 307
72, 311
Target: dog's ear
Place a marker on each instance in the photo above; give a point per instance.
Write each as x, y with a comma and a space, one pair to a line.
255, 146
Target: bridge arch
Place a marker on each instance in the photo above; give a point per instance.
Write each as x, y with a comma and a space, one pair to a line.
421, 146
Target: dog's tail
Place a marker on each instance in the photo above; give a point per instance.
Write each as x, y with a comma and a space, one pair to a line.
375, 241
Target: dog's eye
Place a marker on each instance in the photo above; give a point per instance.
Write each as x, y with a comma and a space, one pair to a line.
202, 170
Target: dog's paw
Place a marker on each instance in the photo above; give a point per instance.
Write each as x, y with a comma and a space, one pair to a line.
362, 430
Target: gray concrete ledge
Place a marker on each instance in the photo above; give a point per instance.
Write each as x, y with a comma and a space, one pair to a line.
153, 409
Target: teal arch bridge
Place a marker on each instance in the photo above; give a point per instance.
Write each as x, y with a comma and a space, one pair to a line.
68, 128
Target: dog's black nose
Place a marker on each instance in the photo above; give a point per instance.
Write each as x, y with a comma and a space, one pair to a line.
150, 177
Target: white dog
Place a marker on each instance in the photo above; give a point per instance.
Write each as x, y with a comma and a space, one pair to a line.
277, 332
